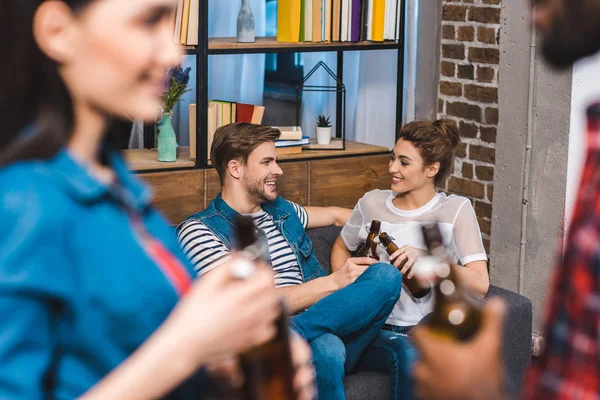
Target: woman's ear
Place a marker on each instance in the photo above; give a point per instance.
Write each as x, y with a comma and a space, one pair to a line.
433, 170
54, 30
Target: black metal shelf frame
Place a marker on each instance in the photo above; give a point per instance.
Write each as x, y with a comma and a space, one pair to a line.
202, 52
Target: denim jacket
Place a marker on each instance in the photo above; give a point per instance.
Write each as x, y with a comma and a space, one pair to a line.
219, 218
78, 294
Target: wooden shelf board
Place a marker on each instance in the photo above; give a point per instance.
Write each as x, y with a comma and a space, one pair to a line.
146, 159
221, 45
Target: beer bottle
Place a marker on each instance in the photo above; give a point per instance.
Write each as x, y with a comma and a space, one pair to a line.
416, 289
268, 369
455, 315
369, 248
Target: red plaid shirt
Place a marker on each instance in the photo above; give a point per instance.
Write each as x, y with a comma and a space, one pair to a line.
569, 367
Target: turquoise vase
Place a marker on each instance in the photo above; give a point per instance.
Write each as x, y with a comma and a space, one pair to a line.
167, 141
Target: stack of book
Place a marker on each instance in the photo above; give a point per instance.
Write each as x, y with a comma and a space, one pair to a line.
185, 31
222, 113
338, 20
291, 140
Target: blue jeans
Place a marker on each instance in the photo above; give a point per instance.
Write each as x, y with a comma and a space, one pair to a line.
341, 326
393, 354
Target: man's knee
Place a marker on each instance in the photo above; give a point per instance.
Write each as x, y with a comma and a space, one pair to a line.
329, 354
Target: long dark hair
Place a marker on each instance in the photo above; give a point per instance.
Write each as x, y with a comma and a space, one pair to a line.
32, 89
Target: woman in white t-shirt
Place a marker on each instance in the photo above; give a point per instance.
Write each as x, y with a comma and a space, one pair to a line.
420, 161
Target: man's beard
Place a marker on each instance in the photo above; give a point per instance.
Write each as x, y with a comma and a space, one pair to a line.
573, 36
256, 190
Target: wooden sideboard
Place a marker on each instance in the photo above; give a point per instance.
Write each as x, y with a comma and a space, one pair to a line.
314, 178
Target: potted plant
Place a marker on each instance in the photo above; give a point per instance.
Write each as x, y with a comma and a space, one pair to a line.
176, 86
323, 129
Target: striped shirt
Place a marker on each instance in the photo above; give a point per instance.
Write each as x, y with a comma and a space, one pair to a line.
206, 251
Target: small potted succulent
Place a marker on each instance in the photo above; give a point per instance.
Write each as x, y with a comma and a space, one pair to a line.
323, 129
176, 86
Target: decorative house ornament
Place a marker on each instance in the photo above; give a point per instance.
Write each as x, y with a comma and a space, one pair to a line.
245, 24
339, 142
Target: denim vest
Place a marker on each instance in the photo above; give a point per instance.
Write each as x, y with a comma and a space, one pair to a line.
219, 218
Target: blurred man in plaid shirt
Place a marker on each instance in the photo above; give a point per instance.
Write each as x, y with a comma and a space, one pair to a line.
569, 367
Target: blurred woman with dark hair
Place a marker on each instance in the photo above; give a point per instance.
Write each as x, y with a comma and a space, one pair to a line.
90, 273
419, 162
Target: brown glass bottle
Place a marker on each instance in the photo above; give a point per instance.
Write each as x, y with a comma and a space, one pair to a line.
455, 315
268, 369
415, 288
369, 247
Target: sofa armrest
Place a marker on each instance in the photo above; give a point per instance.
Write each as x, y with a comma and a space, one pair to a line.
517, 346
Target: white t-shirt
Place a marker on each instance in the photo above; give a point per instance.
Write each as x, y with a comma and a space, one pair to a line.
458, 224
206, 251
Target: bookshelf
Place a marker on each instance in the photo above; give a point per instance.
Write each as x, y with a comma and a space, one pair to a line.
143, 160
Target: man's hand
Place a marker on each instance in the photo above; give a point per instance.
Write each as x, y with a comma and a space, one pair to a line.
461, 371
227, 376
404, 258
351, 270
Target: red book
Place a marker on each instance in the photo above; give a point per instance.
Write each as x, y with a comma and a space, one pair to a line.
244, 112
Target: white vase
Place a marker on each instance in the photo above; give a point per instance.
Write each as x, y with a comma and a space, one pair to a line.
323, 135
245, 24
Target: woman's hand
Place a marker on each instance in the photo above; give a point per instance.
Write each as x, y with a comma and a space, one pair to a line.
404, 258
222, 316
227, 374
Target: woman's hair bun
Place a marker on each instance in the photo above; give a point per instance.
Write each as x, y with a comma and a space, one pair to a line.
448, 130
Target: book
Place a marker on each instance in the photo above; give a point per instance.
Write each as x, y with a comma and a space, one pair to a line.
178, 16
211, 126
317, 23
344, 20
192, 132
356, 20
257, 114
282, 151
336, 10
192, 35
308, 20
327, 21
244, 112
185, 21
288, 20
370, 20
378, 20
392, 12
290, 132
399, 22
305, 140
364, 12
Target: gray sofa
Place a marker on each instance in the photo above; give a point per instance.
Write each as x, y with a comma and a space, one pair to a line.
517, 332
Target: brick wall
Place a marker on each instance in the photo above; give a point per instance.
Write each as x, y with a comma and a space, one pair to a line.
468, 95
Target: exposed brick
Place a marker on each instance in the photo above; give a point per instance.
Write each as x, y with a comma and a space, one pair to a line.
461, 150
466, 71
486, 245
467, 170
448, 68
483, 209
451, 88
491, 1
487, 35
464, 110
484, 14
453, 51
485, 225
448, 32
488, 134
483, 94
484, 173
466, 187
481, 153
490, 192
485, 74
484, 55
468, 130
491, 116
440, 105
468, 1
452, 12
466, 34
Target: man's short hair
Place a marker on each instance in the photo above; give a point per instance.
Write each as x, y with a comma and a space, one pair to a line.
236, 142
